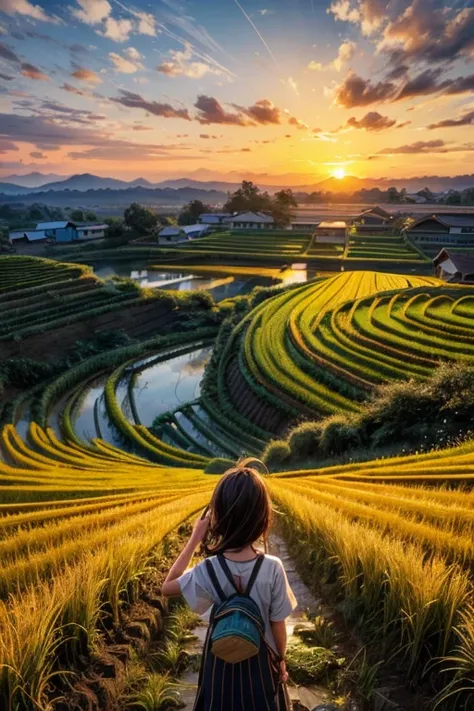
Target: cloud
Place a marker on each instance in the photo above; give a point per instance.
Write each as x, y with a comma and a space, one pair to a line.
6, 77
316, 66
300, 125
422, 85
356, 91
46, 134
72, 89
207, 136
38, 155
128, 64
344, 55
372, 121
146, 23
32, 72
466, 119
369, 14
135, 101
428, 31
23, 7
87, 76
132, 151
461, 85
437, 146
8, 54
293, 85
6, 146
182, 64
263, 112
117, 30
211, 111
99, 12
92, 12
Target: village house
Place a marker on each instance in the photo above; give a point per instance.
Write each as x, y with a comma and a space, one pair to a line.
59, 231
213, 219
376, 220
457, 267
182, 233
331, 233
443, 229
249, 221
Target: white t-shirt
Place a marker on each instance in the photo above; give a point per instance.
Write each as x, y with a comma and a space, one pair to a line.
271, 590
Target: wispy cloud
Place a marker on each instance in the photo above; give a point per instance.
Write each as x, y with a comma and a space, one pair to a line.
258, 33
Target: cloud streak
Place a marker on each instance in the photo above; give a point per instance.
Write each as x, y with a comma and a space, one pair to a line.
135, 101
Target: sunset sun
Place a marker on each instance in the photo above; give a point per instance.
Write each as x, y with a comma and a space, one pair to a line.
339, 173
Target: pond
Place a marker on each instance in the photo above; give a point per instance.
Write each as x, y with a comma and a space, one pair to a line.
166, 385
222, 285
156, 387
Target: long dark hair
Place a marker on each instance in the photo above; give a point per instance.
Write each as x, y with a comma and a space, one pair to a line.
240, 510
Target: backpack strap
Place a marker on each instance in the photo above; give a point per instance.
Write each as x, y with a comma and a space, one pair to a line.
212, 574
253, 576
255, 572
226, 570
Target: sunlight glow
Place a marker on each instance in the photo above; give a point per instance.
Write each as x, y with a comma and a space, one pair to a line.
339, 173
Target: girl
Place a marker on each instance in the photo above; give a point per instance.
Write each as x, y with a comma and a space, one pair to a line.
239, 515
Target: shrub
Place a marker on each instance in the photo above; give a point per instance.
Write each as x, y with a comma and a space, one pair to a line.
219, 465
276, 452
338, 435
304, 440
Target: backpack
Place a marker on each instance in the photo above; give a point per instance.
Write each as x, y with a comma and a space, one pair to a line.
236, 627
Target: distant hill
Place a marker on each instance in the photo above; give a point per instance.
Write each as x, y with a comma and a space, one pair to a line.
33, 180
107, 198
85, 182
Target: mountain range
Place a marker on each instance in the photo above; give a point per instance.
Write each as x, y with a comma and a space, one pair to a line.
39, 183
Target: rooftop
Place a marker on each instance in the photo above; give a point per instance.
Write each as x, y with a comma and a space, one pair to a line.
466, 220
463, 261
336, 225
54, 225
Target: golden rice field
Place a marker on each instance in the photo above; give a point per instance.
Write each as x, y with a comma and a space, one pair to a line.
80, 524
390, 540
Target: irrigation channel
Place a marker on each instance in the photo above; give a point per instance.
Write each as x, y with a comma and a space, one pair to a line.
159, 384
222, 285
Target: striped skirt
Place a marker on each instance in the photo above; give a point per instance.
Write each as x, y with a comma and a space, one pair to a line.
252, 685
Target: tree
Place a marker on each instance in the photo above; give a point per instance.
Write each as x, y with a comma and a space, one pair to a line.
393, 195
426, 194
35, 213
91, 217
116, 233
141, 219
454, 198
247, 198
283, 202
191, 213
77, 216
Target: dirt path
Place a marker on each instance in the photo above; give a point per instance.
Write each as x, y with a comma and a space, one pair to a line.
308, 696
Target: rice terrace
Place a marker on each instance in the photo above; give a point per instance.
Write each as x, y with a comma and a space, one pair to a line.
236, 355
95, 489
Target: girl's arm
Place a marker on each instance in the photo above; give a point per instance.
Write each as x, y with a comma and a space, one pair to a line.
170, 587
279, 635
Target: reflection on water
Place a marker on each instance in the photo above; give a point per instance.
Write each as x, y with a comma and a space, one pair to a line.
223, 285
164, 386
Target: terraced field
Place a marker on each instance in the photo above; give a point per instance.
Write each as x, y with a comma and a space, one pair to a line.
81, 521
41, 294
381, 248
265, 244
85, 513
320, 348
